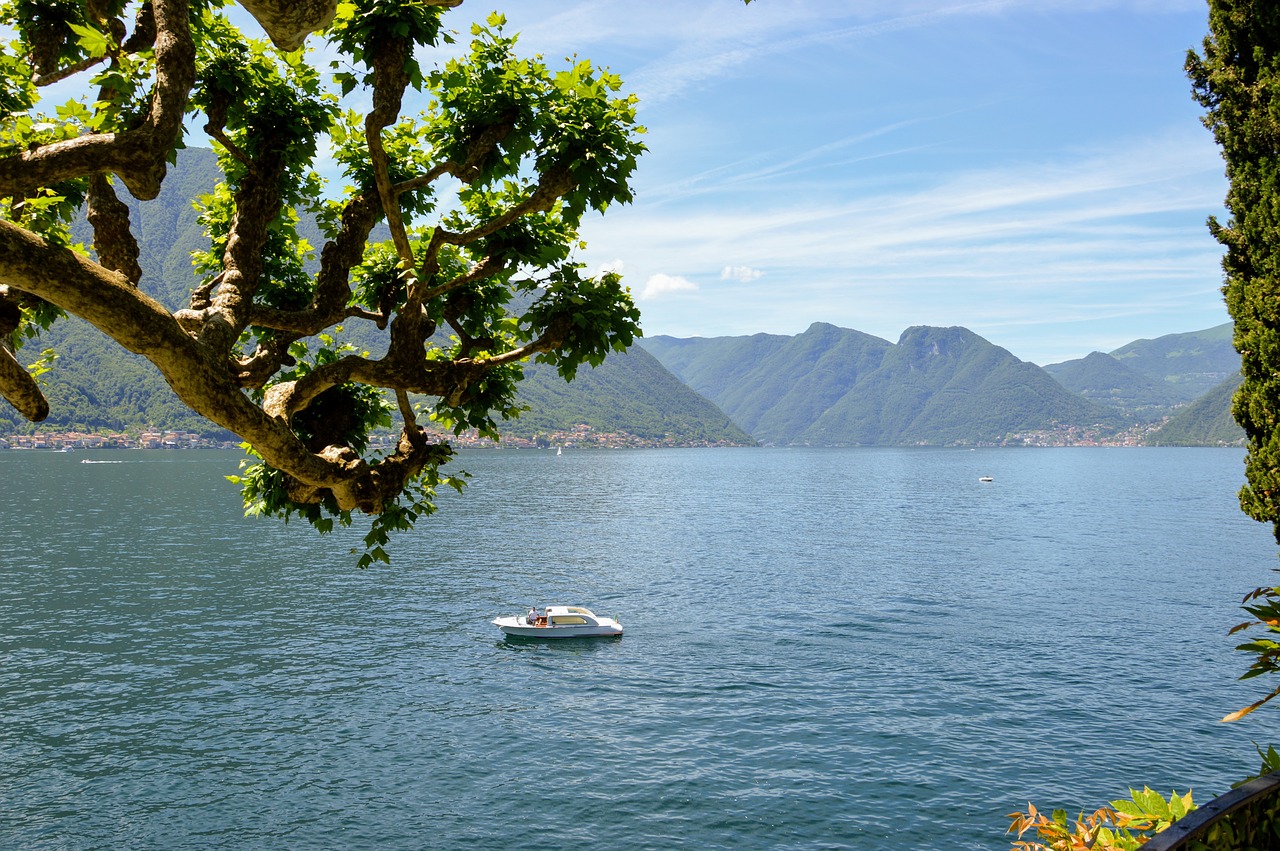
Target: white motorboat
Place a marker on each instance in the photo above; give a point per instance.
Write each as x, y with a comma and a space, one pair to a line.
559, 622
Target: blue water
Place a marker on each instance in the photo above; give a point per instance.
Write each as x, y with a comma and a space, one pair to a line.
825, 649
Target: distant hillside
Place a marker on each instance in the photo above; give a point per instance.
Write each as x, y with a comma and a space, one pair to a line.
948, 385
95, 385
828, 385
833, 386
774, 387
1102, 378
630, 392
711, 365
1190, 364
1149, 380
1205, 422
167, 229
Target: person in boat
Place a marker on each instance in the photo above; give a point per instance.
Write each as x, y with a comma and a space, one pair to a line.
532, 619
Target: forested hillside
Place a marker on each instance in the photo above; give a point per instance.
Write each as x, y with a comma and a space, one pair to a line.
774, 387
1153, 376
96, 386
834, 386
1205, 422
630, 393
1102, 378
827, 386
1191, 364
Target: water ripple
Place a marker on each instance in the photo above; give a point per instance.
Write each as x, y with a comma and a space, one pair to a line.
824, 649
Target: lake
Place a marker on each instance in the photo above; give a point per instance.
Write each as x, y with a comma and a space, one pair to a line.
862, 648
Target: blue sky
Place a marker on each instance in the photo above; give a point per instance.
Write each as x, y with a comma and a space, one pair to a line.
1034, 170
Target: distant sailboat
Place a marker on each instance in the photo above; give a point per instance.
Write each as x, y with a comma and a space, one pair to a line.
559, 450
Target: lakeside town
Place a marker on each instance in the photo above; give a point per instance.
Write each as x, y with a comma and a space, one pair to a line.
580, 436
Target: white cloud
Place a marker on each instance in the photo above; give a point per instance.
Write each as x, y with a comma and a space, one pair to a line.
662, 284
741, 274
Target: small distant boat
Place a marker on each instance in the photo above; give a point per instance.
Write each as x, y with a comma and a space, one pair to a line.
985, 479
559, 450
559, 622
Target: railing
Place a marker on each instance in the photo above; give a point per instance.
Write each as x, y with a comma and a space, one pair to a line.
1245, 817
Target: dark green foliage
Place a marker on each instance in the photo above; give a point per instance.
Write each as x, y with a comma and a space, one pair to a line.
1237, 81
1256, 825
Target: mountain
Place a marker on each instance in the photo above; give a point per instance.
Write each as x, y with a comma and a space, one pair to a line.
711, 365
630, 393
1150, 380
774, 387
946, 386
834, 386
166, 228
828, 385
1205, 422
1102, 378
97, 386
1190, 364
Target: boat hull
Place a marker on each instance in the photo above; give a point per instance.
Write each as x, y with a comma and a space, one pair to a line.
517, 626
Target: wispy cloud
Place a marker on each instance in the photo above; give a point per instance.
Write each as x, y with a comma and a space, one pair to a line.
697, 42
1102, 234
741, 274
1001, 164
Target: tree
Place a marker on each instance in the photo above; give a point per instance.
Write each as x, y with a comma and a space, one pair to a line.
482, 195
1237, 81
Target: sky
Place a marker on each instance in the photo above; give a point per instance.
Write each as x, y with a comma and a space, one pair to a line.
1033, 170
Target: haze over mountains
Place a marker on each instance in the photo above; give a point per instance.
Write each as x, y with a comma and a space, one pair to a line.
827, 386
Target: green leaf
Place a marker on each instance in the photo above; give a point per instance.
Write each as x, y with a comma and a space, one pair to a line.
92, 41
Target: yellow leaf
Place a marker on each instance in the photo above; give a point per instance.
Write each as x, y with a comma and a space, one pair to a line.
1240, 713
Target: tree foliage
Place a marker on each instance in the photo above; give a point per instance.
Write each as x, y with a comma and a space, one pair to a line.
1237, 81
482, 193
1125, 825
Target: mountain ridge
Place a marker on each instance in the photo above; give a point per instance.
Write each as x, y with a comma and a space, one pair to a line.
844, 387
827, 385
